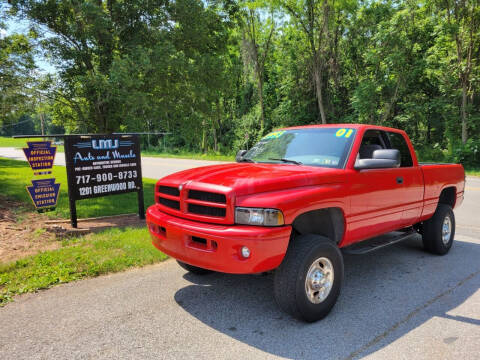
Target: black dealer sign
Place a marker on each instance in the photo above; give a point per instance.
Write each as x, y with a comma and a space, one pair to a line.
100, 165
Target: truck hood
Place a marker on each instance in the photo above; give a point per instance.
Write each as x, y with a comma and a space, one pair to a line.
250, 178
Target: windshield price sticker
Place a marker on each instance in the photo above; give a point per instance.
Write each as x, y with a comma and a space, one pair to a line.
344, 133
103, 165
273, 135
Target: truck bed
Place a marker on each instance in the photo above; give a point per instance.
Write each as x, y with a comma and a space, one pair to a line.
434, 163
440, 176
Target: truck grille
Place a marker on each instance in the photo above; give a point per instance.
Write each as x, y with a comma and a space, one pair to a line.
169, 203
194, 203
206, 210
168, 196
207, 196
169, 190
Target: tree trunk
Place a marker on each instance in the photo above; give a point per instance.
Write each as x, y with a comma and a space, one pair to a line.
389, 105
429, 131
262, 110
464, 113
214, 133
258, 59
204, 137
216, 122
318, 87
215, 142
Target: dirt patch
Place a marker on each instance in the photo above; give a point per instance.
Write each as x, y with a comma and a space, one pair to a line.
63, 228
22, 232
25, 232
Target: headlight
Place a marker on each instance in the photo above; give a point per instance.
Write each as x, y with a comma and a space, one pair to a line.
255, 216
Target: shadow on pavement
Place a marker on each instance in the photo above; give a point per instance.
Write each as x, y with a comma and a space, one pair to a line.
382, 290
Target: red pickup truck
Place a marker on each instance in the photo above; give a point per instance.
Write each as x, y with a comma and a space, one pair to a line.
298, 199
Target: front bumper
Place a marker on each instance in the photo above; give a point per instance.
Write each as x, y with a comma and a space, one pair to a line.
217, 247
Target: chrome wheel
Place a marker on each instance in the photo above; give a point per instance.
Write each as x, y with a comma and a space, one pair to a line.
446, 229
319, 280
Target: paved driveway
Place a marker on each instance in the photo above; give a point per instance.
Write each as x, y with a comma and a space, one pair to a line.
397, 303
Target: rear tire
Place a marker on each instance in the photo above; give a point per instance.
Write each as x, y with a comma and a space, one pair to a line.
194, 269
308, 282
439, 230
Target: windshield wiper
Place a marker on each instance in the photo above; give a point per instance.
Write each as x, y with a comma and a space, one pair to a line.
245, 160
287, 161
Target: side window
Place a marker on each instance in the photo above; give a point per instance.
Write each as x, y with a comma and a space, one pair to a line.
398, 142
372, 140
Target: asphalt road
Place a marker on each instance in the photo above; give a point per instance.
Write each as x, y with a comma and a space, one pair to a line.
397, 303
152, 167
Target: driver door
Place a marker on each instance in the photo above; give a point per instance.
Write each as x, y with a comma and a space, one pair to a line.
375, 194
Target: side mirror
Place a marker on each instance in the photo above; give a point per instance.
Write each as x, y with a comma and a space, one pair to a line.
239, 156
381, 159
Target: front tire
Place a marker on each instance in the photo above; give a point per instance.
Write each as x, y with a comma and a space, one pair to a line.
194, 269
308, 282
439, 230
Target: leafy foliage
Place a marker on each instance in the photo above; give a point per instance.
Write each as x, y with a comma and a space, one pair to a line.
219, 74
16, 81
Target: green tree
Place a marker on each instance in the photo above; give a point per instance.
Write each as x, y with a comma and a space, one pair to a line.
17, 78
458, 49
258, 31
86, 35
126, 65
315, 19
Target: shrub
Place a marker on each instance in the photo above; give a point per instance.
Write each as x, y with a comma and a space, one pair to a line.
467, 154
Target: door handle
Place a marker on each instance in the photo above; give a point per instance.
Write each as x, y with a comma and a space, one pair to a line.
400, 180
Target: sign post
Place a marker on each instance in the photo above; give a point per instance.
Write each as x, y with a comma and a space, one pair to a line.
101, 165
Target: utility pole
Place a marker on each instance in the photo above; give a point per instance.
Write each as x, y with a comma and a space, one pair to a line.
41, 124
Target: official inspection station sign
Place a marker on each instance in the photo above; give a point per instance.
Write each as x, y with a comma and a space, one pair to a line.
40, 156
44, 194
100, 165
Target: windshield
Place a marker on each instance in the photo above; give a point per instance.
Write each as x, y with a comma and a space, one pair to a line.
326, 147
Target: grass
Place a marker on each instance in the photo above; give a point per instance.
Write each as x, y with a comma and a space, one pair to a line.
11, 142
190, 155
21, 143
112, 250
91, 255
472, 172
16, 175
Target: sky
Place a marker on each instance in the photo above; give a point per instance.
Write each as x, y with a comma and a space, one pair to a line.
15, 26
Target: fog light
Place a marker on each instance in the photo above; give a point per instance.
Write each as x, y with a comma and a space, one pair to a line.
153, 228
245, 252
